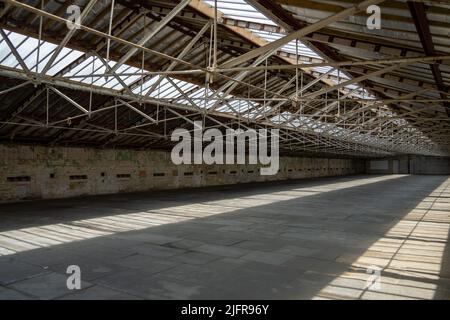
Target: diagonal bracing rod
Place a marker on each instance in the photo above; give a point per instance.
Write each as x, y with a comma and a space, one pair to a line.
161, 24
300, 33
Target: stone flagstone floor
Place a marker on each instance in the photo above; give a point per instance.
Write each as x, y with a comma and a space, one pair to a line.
355, 237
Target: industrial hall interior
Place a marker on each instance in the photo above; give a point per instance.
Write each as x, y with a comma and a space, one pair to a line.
224, 150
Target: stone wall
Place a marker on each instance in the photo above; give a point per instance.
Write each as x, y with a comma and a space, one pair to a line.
36, 172
410, 164
430, 165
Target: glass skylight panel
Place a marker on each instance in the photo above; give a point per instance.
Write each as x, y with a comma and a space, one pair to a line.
17, 39
146, 86
26, 48
290, 47
45, 51
296, 123
230, 106
185, 86
113, 83
168, 90
4, 49
96, 68
29, 49
84, 68
199, 98
240, 105
129, 79
261, 111
224, 108
65, 57
11, 61
342, 76
280, 118
200, 93
240, 10
172, 92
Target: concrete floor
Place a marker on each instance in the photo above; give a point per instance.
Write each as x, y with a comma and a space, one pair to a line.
292, 240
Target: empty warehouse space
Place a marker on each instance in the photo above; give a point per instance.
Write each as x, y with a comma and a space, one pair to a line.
244, 242
224, 150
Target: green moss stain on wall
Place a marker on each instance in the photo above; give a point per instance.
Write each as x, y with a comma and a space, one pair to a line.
124, 155
55, 154
52, 156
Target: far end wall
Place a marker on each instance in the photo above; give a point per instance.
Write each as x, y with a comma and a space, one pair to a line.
411, 164
37, 172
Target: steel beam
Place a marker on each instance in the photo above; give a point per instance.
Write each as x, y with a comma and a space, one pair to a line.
67, 38
300, 33
161, 24
422, 24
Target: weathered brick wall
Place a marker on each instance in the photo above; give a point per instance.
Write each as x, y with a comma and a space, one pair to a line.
34, 172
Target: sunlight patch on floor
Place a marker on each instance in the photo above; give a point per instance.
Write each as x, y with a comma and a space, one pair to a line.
23, 239
409, 257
